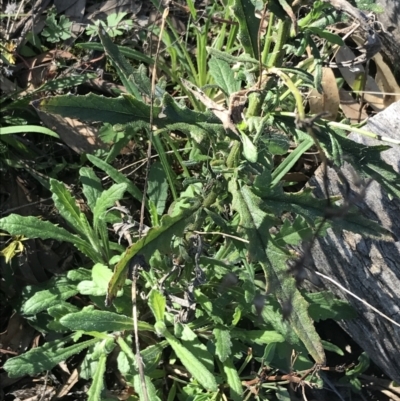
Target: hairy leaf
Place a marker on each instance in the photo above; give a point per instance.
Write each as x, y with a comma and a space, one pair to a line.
273, 260
96, 320
223, 343
244, 12
44, 358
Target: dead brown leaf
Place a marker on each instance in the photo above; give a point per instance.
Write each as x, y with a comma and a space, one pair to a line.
80, 137
350, 107
328, 100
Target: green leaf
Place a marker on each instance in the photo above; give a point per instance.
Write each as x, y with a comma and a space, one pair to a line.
253, 221
234, 382
118, 177
249, 149
286, 291
97, 320
151, 356
157, 303
329, 36
91, 184
260, 337
151, 389
101, 276
91, 107
158, 238
362, 366
223, 344
57, 312
50, 86
192, 343
32, 227
244, 12
62, 289
26, 129
313, 210
195, 124
332, 348
118, 61
223, 76
229, 58
367, 161
106, 200
285, 166
324, 305
96, 388
205, 378
127, 109
293, 233
44, 358
277, 143
66, 205
128, 52
158, 187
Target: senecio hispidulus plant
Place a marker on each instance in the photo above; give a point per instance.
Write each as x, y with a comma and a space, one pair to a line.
212, 267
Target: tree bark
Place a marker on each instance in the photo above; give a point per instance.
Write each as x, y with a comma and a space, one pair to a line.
368, 268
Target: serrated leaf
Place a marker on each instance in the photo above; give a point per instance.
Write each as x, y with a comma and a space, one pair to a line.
229, 58
128, 52
151, 355
127, 109
253, 221
158, 238
277, 143
32, 227
157, 303
44, 358
223, 76
285, 289
91, 107
57, 312
223, 344
96, 388
329, 36
244, 12
97, 320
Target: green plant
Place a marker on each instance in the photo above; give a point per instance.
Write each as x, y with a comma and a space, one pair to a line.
352, 375
213, 268
57, 31
115, 25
